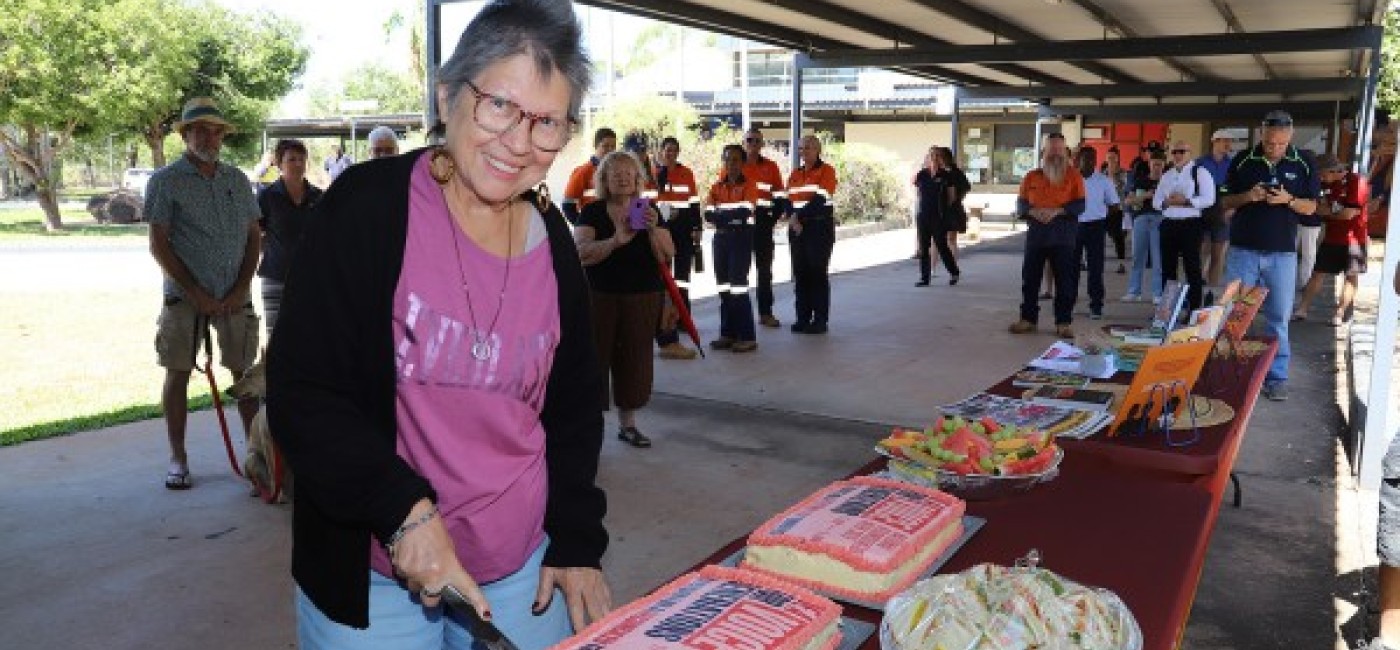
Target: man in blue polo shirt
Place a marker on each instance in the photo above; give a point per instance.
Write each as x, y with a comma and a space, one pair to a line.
1269, 186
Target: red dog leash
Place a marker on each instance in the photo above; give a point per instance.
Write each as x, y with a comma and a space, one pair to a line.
268, 495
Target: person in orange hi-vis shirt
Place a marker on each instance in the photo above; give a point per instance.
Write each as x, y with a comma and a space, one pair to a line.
730, 207
580, 191
679, 201
1050, 200
811, 235
772, 202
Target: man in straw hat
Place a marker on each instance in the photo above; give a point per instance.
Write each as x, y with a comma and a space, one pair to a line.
204, 234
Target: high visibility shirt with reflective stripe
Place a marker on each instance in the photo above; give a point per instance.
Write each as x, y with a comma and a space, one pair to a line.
580, 188
726, 197
803, 184
767, 178
680, 190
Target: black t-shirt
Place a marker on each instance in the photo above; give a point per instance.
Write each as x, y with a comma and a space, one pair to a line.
629, 269
282, 223
1262, 226
933, 190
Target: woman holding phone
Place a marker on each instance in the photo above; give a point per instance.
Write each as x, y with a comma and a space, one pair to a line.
620, 245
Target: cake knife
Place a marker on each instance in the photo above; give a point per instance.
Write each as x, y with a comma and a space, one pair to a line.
481, 629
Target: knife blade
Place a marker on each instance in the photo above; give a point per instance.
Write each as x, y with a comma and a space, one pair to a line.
482, 629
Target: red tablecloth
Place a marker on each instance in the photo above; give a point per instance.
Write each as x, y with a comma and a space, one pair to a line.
1098, 524
1207, 462
1132, 515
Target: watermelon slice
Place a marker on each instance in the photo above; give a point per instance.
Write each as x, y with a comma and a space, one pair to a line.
1033, 465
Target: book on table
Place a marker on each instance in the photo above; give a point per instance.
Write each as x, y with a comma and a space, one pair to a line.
1076, 398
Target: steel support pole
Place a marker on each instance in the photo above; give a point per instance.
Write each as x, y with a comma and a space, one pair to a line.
799, 63
1378, 427
953, 124
433, 34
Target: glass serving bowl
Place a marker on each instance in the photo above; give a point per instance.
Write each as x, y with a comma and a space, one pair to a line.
971, 487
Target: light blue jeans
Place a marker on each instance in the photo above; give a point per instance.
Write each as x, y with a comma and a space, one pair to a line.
397, 620
1278, 272
1147, 236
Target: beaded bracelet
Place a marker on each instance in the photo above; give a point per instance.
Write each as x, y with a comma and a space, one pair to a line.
403, 530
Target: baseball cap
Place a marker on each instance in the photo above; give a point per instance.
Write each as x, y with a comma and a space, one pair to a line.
1153, 145
1328, 162
1278, 118
1222, 134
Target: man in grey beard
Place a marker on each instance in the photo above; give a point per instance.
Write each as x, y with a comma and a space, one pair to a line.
205, 237
1050, 200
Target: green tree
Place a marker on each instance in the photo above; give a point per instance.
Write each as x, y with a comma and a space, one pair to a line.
246, 62
1388, 90
396, 91
67, 67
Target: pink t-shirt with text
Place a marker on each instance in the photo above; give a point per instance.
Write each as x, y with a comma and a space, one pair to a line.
471, 427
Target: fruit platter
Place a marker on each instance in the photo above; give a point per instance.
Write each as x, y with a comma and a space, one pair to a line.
975, 460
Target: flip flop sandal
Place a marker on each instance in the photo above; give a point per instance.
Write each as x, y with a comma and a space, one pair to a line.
178, 480
632, 436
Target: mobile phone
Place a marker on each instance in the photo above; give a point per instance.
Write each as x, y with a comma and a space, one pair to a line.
637, 214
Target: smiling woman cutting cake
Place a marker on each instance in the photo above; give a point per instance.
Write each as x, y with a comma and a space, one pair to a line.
433, 383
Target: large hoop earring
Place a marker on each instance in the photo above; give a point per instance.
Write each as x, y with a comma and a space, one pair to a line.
445, 178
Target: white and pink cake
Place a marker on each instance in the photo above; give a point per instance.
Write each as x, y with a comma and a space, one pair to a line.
863, 539
717, 608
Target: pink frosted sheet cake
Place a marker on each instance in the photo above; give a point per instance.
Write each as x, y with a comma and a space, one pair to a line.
717, 609
864, 539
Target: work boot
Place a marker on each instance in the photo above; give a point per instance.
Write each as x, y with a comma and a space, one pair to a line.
1064, 331
743, 346
769, 320
677, 351
722, 343
1022, 326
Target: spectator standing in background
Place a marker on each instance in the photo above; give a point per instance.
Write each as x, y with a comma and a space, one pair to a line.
579, 191
286, 208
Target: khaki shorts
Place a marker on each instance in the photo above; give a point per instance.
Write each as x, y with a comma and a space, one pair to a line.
180, 337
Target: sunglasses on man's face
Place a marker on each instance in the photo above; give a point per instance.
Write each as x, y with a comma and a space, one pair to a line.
1180, 151
753, 139
1279, 121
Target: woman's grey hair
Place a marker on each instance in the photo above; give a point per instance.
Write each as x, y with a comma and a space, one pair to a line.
547, 30
600, 177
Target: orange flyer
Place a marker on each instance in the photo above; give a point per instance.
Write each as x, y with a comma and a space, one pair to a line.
1162, 366
1247, 304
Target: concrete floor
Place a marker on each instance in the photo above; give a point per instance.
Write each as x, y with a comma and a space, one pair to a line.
98, 555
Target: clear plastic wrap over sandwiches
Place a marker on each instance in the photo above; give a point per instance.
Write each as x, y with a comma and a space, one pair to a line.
992, 607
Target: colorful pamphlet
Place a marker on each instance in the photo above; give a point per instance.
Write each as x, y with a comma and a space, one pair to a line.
1056, 420
1245, 306
1034, 378
1166, 375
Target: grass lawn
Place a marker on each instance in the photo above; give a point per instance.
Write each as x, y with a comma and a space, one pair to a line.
78, 360
26, 226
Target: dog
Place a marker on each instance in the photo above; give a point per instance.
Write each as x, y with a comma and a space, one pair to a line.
262, 449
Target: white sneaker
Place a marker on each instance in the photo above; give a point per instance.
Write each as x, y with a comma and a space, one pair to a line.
1131, 297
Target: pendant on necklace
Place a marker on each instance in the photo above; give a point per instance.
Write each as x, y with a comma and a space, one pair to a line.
481, 349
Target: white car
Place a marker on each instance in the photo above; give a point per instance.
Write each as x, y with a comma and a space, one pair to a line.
135, 179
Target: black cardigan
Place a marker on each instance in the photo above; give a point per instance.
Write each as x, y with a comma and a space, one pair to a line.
331, 393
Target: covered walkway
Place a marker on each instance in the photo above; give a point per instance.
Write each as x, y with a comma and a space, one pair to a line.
99, 555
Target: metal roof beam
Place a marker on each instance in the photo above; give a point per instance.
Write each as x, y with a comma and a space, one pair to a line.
687, 15
964, 13
1109, 21
1341, 85
1222, 8
1298, 40
879, 28
1249, 112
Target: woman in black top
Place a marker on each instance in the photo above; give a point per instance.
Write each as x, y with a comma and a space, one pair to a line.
627, 287
940, 213
286, 205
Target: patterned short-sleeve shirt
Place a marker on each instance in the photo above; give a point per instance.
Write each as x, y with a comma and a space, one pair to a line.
208, 220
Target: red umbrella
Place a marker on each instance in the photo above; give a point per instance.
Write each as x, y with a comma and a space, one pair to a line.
675, 292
